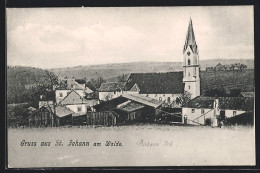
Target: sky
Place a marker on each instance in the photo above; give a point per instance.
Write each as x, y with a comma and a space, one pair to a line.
67, 37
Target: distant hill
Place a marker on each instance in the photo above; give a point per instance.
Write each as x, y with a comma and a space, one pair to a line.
19, 77
110, 71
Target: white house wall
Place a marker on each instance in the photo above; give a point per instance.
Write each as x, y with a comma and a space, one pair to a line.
108, 95
209, 113
163, 97
65, 93
74, 108
229, 113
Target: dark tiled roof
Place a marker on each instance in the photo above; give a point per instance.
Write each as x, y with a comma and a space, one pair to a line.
236, 103
110, 87
80, 81
110, 104
201, 102
156, 83
225, 103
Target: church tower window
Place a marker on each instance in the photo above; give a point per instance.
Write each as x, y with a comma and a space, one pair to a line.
188, 61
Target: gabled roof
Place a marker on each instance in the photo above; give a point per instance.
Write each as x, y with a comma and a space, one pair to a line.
73, 98
156, 83
60, 111
131, 106
109, 87
143, 100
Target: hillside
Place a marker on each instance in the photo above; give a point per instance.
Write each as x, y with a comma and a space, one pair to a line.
108, 71
227, 80
17, 79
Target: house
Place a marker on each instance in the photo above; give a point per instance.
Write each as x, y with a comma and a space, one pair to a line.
76, 103
110, 90
131, 107
219, 67
201, 108
165, 87
72, 84
46, 116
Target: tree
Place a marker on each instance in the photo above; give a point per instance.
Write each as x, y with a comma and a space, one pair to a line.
232, 66
242, 67
95, 83
184, 98
47, 88
121, 78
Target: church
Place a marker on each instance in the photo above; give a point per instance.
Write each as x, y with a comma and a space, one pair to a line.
166, 87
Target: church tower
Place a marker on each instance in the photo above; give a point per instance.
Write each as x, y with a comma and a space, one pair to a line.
191, 68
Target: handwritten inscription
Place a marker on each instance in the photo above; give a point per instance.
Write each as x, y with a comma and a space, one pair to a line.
145, 143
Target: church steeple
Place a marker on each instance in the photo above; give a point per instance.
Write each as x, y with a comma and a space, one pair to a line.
191, 70
190, 39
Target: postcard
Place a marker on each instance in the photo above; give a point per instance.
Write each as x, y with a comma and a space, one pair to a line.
130, 86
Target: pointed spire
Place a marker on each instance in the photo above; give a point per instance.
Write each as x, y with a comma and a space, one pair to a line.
190, 38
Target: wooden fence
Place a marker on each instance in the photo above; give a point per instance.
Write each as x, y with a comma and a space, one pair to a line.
106, 118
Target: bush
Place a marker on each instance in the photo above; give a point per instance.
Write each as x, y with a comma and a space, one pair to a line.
208, 122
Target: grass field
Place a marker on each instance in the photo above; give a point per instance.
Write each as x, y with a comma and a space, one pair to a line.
142, 145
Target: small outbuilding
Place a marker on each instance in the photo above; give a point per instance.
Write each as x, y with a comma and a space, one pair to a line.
46, 117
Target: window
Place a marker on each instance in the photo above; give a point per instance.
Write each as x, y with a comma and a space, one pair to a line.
189, 74
79, 109
114, 92
189, 87
188, 61
88, 109
192, 110
234, 112
61, 94
169, 99
146, 95
71, 85
160, 98
202, 111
